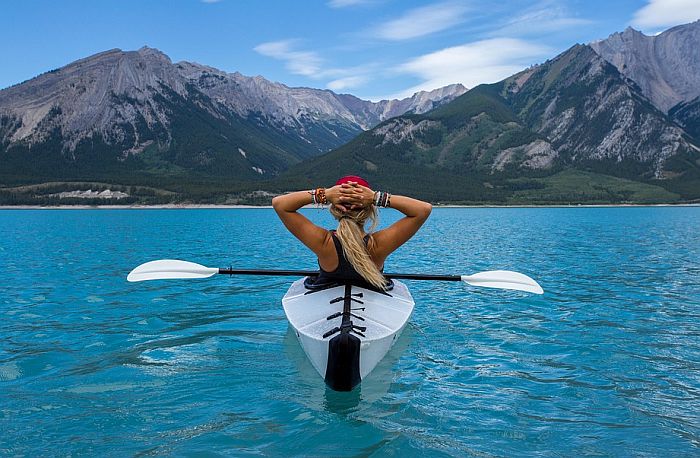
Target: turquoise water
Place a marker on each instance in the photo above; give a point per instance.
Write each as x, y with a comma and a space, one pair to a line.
606, 362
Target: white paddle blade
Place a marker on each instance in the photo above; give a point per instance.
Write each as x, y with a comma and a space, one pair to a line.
170, 268
504, 279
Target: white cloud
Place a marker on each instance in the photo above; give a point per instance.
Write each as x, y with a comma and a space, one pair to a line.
666, 13
346, 3
306, 63
422, 21
545, 16
349, 82
471, 64
310, 64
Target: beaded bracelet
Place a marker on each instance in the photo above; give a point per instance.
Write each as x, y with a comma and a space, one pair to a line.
318, 196
321, 196
382, 199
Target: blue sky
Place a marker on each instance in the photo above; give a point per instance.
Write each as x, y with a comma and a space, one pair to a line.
370, 48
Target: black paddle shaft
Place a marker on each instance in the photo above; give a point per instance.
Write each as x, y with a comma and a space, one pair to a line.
307, 273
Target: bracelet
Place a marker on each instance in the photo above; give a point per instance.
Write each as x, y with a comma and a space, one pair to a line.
320, 196
382, 199
313, 196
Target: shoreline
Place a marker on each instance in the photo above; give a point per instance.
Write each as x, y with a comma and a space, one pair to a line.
255, 207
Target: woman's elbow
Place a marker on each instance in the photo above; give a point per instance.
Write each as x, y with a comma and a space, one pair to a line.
277, 203
426, 209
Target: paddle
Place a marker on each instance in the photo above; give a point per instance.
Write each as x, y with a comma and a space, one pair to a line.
172, 268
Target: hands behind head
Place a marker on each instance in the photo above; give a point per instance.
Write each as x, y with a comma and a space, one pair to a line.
350, 196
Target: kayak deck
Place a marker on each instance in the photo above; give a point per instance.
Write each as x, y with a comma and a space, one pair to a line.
345, 330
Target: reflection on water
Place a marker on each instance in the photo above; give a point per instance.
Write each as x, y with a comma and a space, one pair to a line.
342, 403
373, 388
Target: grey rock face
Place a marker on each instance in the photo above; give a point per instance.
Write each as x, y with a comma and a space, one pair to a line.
587, 110
687, 115
420, 102
666, 67
288, 105
90, 194
401, 130
82, 93
536, 155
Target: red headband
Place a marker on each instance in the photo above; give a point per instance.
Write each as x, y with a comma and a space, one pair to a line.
356, 179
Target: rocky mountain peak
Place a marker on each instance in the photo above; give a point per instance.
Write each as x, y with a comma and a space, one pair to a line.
81, 97
666, 66
630, 31
153, 55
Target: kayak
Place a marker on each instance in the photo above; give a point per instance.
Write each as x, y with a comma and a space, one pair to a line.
345, 329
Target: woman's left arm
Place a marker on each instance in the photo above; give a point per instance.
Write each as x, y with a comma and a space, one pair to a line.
307, 232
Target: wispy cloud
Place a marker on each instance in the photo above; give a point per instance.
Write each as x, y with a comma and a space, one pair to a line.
423, 21
485, 61
307, 63
545, 16
666, 13
348, 82
310, 64
346, 3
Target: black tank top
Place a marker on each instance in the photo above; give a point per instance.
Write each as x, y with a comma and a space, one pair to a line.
345, 270
344, 273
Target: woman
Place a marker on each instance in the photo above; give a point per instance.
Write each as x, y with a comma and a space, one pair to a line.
349, 253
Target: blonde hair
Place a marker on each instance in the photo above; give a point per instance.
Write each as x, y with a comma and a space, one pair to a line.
350, 232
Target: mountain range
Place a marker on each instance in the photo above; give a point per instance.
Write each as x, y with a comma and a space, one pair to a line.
138, 112
577, 118
617, 120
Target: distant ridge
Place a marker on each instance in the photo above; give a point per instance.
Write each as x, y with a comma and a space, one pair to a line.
137, 112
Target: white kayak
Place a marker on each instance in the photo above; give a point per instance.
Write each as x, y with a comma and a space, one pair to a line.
345, 330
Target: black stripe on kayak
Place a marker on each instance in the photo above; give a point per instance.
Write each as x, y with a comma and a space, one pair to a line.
343, 366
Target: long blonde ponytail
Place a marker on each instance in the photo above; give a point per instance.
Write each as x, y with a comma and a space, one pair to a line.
350, 233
